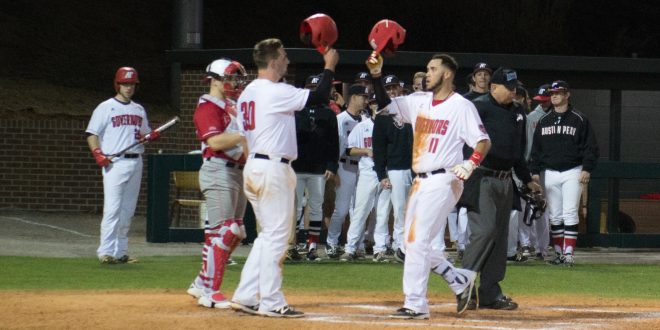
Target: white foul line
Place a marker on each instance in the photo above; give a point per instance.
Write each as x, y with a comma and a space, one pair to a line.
48, 226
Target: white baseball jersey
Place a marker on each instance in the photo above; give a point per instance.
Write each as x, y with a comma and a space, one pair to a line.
266, 117
118, 125
439, 130
345, 124
361, 137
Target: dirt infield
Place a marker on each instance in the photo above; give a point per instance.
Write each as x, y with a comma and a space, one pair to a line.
157, 309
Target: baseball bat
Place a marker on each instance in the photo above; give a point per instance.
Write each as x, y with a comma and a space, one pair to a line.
160, 129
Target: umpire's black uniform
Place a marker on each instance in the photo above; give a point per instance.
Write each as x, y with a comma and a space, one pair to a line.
488, 196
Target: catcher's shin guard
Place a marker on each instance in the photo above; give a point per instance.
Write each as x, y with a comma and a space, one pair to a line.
228, 238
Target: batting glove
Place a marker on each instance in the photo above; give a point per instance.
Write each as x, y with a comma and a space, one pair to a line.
153, 136
100, 158
375, 64
463, 171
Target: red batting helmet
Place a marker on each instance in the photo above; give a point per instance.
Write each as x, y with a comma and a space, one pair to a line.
386, 36
224, 68
126, 75
320, 31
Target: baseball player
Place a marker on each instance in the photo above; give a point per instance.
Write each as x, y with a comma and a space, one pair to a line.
318, 154
267, 121
392, 161
564, 153
346, 176
116, 124
481, 77
220, 177
442, 122
368, 190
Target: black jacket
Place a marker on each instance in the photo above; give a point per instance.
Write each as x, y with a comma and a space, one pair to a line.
318, 140
392, 144
506, 127
471, 95
563, 141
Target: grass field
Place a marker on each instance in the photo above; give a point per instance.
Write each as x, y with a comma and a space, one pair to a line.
176, 273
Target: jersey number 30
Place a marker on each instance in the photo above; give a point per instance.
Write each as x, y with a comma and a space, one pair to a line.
247, 108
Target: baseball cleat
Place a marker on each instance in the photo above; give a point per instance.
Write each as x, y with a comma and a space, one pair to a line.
254, 310
558, 260
568, 260
516, 258
332, 252
463, 299
526, 251
108, 260
409, 314
216, 300
312, 255
348, 257
231, 262
400, 256
125, 259
293, 255
194, 291
380, 257
286, 311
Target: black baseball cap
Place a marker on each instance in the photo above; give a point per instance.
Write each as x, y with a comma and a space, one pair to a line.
520, 89
312, 81
543, 93
362, 76
372, 99
390, 80
505, 76
559, 86
357, 89
482, 66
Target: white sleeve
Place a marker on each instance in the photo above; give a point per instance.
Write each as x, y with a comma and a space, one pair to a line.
97, 123
473, 129
400, 107
354, 138
289, 98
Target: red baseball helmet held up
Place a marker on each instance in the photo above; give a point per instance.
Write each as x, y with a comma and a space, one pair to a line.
126, 75
320, 31
386, 36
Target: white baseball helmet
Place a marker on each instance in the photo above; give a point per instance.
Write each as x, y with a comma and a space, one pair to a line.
222, 69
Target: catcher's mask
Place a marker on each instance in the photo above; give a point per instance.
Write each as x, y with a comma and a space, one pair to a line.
228, 71
535, 206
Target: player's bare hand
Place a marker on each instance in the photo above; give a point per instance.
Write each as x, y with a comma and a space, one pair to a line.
464, 171
328, 175
536, 178
370, 153
331, 58
338, 99
385, 184
585, 177
535, 187
375, 64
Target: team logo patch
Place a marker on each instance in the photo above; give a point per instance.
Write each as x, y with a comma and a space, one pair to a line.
520, 117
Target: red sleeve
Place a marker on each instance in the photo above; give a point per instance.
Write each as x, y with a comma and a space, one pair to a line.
210, 120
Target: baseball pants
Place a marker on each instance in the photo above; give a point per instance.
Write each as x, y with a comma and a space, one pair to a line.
489, 229
431, 199
563, 191
121, 188
269, 186
344, 195
314, 184
458, 221
222, 187
401, 181
367, 195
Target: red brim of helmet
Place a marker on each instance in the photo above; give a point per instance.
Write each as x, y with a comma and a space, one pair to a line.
541, 98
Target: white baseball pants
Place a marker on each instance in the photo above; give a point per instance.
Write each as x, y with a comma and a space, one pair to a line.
366, 198
344, 194
121, 188
269, 186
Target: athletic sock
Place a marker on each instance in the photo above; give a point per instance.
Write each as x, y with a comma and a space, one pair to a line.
557, 232
570, 238
313, 233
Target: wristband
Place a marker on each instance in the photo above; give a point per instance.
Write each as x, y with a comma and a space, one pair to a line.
476, 158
